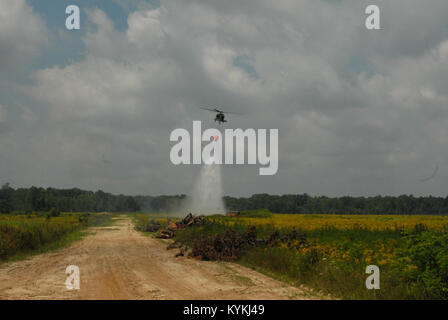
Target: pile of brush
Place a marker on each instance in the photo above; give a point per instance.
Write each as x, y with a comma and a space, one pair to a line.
225, 247
189, 220
230, 245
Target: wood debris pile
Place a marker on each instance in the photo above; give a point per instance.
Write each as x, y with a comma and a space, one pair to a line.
189, 220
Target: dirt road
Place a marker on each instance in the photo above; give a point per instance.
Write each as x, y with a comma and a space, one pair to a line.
120, 263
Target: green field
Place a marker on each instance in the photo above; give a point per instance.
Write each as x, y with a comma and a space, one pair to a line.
21, 235
331, 252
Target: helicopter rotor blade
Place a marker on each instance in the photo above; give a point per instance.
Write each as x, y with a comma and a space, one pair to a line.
228, 112
212, 110
220, 111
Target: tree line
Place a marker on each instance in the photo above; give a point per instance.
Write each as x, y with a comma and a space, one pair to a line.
68, 200
75, 200
304, 203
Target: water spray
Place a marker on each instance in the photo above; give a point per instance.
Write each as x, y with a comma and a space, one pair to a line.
207, 196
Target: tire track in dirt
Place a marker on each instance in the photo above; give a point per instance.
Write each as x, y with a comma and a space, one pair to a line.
120, 263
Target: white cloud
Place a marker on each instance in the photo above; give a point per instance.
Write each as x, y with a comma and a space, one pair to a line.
22, 34
145, 28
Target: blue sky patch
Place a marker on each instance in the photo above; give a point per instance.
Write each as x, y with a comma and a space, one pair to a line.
246, 63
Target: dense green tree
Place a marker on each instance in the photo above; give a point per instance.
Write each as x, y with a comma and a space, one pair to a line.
6, 193
40, 199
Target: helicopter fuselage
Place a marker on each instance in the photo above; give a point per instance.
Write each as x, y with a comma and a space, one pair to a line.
220, 118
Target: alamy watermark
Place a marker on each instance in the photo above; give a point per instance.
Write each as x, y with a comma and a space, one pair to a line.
72, 281
237, 144
373, 281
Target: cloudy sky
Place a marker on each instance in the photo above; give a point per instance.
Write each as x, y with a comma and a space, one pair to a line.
359, 112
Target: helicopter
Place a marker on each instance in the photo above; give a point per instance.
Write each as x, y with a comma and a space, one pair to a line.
220, 115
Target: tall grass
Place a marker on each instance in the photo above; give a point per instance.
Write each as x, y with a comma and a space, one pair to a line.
26, 233
148, 222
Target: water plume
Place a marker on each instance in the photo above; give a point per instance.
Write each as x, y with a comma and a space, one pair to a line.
207, 195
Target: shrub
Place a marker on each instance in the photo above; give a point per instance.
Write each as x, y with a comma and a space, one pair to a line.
84, 218
424, 260
54, 212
